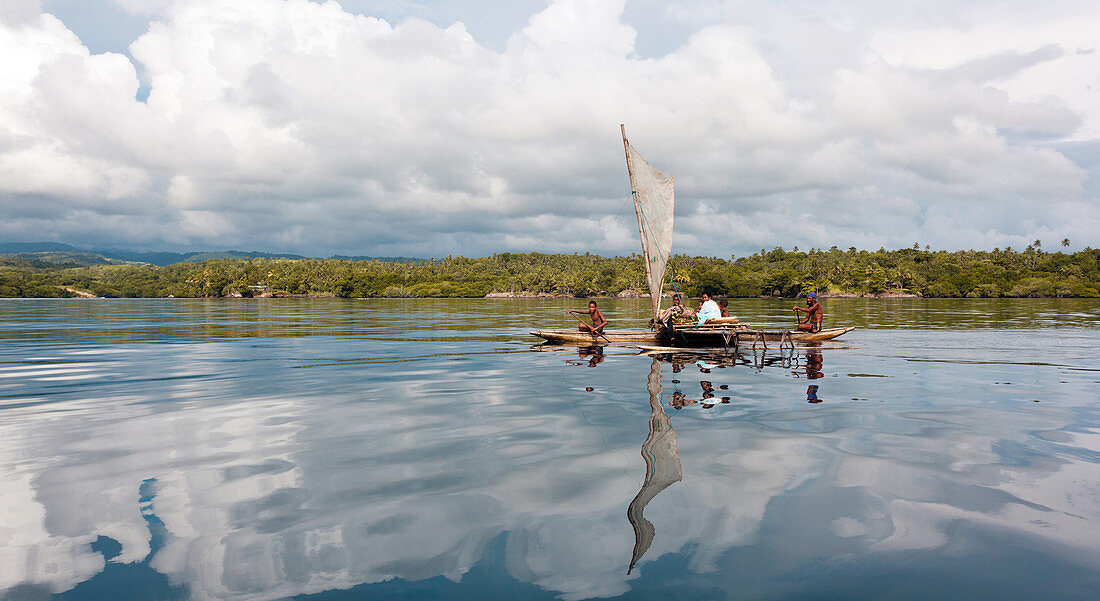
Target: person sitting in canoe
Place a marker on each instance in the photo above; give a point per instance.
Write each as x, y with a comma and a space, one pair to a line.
598, 320
678, 309
724, 306
708, 310
812, 321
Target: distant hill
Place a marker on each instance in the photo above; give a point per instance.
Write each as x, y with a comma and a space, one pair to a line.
71, 258
382, 259
156, 258
170, 258
239, 254
56, 260
68, 254
15, 248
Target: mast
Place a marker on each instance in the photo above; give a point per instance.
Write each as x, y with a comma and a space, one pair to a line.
637, 210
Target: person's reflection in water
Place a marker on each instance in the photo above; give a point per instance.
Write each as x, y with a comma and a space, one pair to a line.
814, 363
679, 400
708, 394
594, 354
708, 389
662, 465
811, 394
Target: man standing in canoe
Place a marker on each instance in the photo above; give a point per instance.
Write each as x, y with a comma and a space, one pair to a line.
598, 320
812, 321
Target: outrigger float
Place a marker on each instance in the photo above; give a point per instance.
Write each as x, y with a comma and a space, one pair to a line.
654, 200
630, 337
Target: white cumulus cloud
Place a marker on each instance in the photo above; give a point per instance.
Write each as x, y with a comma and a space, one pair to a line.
304, 126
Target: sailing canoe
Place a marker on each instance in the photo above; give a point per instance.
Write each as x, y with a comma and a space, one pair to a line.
609, 337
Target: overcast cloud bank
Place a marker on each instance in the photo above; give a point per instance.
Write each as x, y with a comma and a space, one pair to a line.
303, 127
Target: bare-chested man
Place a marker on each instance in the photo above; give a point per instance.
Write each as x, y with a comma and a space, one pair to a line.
812, 321
598, 320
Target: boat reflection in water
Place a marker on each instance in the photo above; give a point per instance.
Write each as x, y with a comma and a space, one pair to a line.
662, 465
660, 451
706, 361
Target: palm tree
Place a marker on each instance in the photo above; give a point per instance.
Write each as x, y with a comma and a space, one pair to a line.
1065, 242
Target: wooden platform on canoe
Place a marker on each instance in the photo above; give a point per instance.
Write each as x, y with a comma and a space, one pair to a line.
656, 349
717, 336
629, 337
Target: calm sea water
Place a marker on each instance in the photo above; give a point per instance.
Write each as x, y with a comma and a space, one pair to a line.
337, 449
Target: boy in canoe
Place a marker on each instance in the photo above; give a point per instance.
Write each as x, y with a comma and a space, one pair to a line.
598, 320
812, 321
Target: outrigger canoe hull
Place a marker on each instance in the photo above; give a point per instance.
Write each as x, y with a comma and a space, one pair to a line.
609, 337
704, 336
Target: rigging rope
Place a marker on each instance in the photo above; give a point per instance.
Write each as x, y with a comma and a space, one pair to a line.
614, 220
666, 259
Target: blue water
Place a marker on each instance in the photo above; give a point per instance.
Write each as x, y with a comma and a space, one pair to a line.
336, 449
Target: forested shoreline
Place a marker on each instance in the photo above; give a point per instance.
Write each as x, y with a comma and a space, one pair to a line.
927, 273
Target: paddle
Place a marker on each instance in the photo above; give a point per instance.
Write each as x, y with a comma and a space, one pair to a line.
593, 332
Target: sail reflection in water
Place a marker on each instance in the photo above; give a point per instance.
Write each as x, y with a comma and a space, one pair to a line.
662, 464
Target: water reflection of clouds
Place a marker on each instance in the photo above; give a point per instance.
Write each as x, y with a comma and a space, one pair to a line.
270, 495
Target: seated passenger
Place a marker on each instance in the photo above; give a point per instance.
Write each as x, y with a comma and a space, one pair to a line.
708, 310
678, 309
726, 318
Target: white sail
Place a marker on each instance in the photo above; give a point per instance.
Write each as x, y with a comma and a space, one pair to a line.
653, 201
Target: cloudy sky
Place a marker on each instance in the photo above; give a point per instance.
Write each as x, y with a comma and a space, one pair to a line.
397, 127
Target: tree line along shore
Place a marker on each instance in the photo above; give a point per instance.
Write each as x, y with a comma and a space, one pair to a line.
778, 272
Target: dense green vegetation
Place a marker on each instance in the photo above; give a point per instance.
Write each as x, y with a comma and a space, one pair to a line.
768, 273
